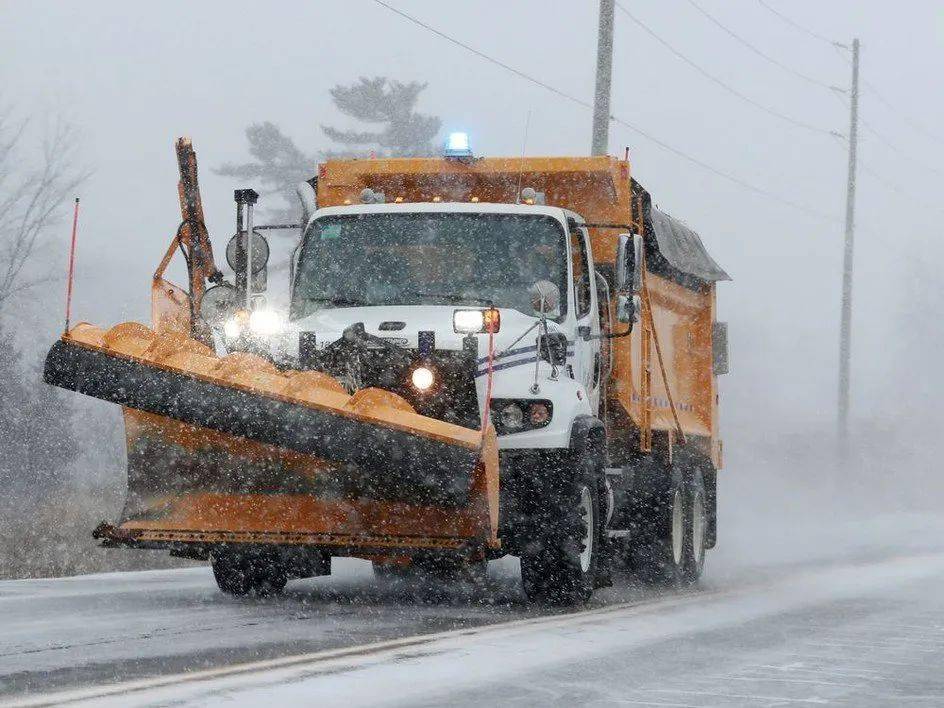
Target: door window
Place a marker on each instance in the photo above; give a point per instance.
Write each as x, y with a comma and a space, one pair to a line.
582, 285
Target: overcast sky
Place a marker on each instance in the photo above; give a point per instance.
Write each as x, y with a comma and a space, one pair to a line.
133, 76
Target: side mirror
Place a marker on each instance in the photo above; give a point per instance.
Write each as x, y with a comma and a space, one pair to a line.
218, 304
236, 256
628, 308
545, 297
629, 264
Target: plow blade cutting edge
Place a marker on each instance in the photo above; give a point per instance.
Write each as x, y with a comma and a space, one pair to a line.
232, 450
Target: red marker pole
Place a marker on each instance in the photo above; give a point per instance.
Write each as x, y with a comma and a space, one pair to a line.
75, 225
486, 415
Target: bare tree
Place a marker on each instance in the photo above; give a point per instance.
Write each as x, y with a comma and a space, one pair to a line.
36, 421
32, 198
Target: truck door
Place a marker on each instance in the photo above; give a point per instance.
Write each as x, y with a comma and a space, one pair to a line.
605, 356
586, 360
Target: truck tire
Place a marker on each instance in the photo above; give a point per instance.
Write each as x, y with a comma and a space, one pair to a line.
559, 561
697, 523
660, 528
239, 573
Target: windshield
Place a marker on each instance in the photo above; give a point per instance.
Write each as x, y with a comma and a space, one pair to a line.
428, 258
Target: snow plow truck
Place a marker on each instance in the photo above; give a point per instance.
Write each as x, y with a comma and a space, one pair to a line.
479, 357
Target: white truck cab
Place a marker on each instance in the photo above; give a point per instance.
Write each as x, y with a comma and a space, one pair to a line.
404, 271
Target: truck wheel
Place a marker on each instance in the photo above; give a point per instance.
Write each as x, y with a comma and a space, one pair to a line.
657, 548
696, 538
559, 564
241, 573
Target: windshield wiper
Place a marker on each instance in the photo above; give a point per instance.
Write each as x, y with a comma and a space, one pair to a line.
450, 297
342, 301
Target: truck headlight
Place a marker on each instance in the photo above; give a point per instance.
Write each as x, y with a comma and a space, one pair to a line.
475, 321
539, 414
232, 328
512, 415
422, 378
265, 323
235, 326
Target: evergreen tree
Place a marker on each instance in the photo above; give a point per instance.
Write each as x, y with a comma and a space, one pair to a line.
278, 164
390, 104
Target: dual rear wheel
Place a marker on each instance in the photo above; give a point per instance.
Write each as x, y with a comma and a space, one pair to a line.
670, 523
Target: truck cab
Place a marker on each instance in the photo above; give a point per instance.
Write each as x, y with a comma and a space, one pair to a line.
405, 276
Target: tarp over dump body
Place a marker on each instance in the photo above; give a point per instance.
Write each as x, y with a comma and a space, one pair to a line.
683, 249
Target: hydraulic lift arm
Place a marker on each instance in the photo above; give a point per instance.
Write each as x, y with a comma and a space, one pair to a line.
173, 308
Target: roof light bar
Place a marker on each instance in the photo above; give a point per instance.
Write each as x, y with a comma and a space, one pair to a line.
457, 145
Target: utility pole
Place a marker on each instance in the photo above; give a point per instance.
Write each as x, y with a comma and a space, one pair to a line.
845, 339
601, 99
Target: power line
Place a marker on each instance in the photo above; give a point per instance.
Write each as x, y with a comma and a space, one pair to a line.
801, 28
894, 148
897, 189
903, 116
888, 143
893, 186
890, 184
616, 119
895, 109
916, 125
714, 79
731, 178
759, 52
486, 57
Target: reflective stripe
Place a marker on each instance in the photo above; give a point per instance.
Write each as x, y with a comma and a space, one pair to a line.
519, 362
522, 350
510, 352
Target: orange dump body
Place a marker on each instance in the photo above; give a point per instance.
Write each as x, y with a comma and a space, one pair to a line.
675, 394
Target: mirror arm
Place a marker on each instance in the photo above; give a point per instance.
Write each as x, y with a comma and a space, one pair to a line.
616, 335
612, 335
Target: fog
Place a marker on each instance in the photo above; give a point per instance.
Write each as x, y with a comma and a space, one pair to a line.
133, 77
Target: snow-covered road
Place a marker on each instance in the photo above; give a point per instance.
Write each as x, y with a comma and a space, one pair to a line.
866, 628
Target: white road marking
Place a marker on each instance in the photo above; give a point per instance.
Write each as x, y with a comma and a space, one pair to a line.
776, 679
827, 670
817, 701
860, 645
858, 659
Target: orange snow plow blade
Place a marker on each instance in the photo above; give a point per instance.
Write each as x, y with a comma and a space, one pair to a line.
234, 450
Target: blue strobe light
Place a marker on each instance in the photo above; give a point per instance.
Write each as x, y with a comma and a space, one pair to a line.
457, 145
